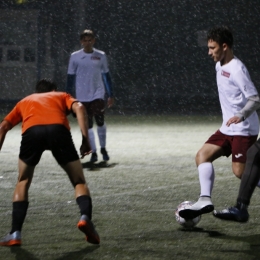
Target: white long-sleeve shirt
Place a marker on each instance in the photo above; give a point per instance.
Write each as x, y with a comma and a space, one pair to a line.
234, 88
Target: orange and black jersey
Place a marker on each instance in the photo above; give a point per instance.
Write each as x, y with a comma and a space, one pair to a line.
42, 109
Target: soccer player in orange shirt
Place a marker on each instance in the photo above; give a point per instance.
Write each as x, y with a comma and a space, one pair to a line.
45, 127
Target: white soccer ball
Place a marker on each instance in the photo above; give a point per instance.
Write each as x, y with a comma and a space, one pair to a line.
187, 223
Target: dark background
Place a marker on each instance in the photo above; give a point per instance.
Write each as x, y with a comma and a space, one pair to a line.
157, 63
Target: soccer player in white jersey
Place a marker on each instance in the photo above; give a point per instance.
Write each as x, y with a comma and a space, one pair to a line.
88, 74
238, 99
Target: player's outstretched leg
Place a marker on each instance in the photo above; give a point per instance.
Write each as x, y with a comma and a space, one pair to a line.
18, 216
239, 214
202, 206
83, 199
20, 207
85, 224
14, 239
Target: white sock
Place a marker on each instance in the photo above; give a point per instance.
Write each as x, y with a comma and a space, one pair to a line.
102, 135
206, 177
91, 137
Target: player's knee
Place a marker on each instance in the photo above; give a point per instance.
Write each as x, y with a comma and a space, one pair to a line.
90, 124
200, 157
100, 124
197, 157
78, 180
238, 173
100, 120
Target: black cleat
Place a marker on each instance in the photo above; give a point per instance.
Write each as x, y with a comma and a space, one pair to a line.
94, 157
233, 214
104, 153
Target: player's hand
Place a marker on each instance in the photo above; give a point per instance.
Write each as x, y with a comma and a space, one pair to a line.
85, 148
110, 102
234, 120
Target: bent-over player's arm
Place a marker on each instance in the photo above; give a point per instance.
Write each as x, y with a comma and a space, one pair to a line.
82, 118
5, 126
253, 103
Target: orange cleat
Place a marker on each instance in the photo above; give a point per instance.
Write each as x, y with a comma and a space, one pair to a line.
86, 226
13, 239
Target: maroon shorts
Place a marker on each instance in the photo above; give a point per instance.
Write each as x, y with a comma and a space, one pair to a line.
236, 145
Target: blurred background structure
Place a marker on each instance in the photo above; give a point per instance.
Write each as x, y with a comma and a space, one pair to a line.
157, 50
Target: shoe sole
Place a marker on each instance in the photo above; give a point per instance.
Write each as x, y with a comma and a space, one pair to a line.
91, 235
190, 213
11, 243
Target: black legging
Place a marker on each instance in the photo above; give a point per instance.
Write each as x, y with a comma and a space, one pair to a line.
99, 120
251, 175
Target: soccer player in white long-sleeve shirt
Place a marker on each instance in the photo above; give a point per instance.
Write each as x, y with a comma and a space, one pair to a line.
88, 73
238, 99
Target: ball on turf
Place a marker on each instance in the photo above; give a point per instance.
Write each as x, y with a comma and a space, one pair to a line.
187, 223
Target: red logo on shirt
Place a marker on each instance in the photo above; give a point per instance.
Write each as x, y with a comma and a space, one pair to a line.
95, 58
225, 74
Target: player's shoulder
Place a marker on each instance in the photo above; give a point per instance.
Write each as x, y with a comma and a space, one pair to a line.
99, 52
217, 66
77, 53
58, 94
238, 65
236, 61
29, 98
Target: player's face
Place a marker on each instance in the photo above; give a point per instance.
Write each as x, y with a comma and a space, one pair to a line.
216, 51
87, 43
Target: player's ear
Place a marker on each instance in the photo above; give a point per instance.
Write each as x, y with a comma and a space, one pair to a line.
224, 46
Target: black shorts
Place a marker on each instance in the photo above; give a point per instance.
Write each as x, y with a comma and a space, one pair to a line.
56, 138
95, 107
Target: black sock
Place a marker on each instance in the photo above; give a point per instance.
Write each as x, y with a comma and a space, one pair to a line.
85, 205
18, 215
241, 205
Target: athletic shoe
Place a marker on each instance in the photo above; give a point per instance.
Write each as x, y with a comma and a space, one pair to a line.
233, 214
94, 157
202, 206
104, 153
86, 226
11, 239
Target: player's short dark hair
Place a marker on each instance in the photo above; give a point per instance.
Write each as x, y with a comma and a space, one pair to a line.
45, 85
221, 34
87, 32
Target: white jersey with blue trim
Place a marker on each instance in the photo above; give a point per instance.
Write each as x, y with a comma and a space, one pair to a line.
88, 68
234, 87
